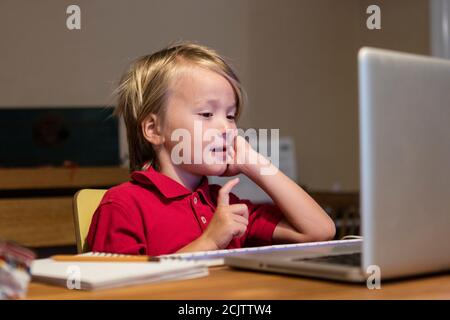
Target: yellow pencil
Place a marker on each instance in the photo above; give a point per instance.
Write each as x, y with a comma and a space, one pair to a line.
104, 258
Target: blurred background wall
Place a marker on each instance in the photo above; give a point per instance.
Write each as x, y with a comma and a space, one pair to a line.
296, 59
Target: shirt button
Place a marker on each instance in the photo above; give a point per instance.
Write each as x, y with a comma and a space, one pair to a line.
203, 219
195, 200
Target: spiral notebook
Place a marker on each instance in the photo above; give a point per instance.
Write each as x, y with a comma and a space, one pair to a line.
217, 257
103, 275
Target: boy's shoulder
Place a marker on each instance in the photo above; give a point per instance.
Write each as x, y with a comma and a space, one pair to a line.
126, 193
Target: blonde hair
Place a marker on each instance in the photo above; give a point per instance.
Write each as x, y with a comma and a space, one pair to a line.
144, 89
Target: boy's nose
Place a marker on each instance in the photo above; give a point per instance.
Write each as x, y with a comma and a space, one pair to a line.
223, 126
227, 130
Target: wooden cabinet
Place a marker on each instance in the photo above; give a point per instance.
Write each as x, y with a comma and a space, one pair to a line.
36, 203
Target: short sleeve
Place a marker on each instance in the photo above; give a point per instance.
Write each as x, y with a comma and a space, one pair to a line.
262, 220
114, 230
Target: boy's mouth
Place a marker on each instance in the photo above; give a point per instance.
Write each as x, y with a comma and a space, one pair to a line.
219, 154
221, 149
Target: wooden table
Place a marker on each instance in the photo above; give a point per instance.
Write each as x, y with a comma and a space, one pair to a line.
226, 283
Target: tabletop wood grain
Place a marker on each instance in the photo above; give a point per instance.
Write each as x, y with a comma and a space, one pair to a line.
233, 284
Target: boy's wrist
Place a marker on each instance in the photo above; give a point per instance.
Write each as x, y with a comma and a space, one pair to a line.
208, 243
263, 166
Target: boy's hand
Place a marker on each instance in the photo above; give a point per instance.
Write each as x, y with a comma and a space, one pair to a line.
229, 221
240, 155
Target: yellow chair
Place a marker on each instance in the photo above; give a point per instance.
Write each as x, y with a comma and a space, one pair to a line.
85, 203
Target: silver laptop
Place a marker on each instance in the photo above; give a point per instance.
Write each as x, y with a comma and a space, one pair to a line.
404, 110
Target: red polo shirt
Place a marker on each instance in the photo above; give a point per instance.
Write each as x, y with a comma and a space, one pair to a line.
153, 214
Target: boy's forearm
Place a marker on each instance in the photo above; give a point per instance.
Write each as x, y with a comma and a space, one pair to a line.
202, 243
300, 210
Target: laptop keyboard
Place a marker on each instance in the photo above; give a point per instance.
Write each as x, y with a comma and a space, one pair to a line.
351, 259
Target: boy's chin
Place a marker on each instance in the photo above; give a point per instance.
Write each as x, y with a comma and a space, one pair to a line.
211, 169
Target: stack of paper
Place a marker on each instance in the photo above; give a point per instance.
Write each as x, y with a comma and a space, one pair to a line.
15, 262
102, 275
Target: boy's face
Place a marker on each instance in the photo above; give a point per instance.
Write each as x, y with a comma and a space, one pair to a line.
202, 103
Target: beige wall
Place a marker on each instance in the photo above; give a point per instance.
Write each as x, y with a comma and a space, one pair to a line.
43, 63
304, 76
297, 60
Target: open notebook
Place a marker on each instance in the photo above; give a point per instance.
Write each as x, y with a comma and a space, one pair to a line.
103, 275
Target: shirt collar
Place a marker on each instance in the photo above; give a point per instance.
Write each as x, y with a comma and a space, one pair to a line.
168, 187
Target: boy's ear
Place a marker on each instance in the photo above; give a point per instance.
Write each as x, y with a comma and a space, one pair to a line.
151, 130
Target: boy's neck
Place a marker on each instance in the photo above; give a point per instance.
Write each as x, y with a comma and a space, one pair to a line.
188, 180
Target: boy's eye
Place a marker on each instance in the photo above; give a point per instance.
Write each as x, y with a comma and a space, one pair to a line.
206, 114
231, 117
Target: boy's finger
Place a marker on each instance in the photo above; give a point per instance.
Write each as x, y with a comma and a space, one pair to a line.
240, 219
223, 198
240, 209
240, 231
